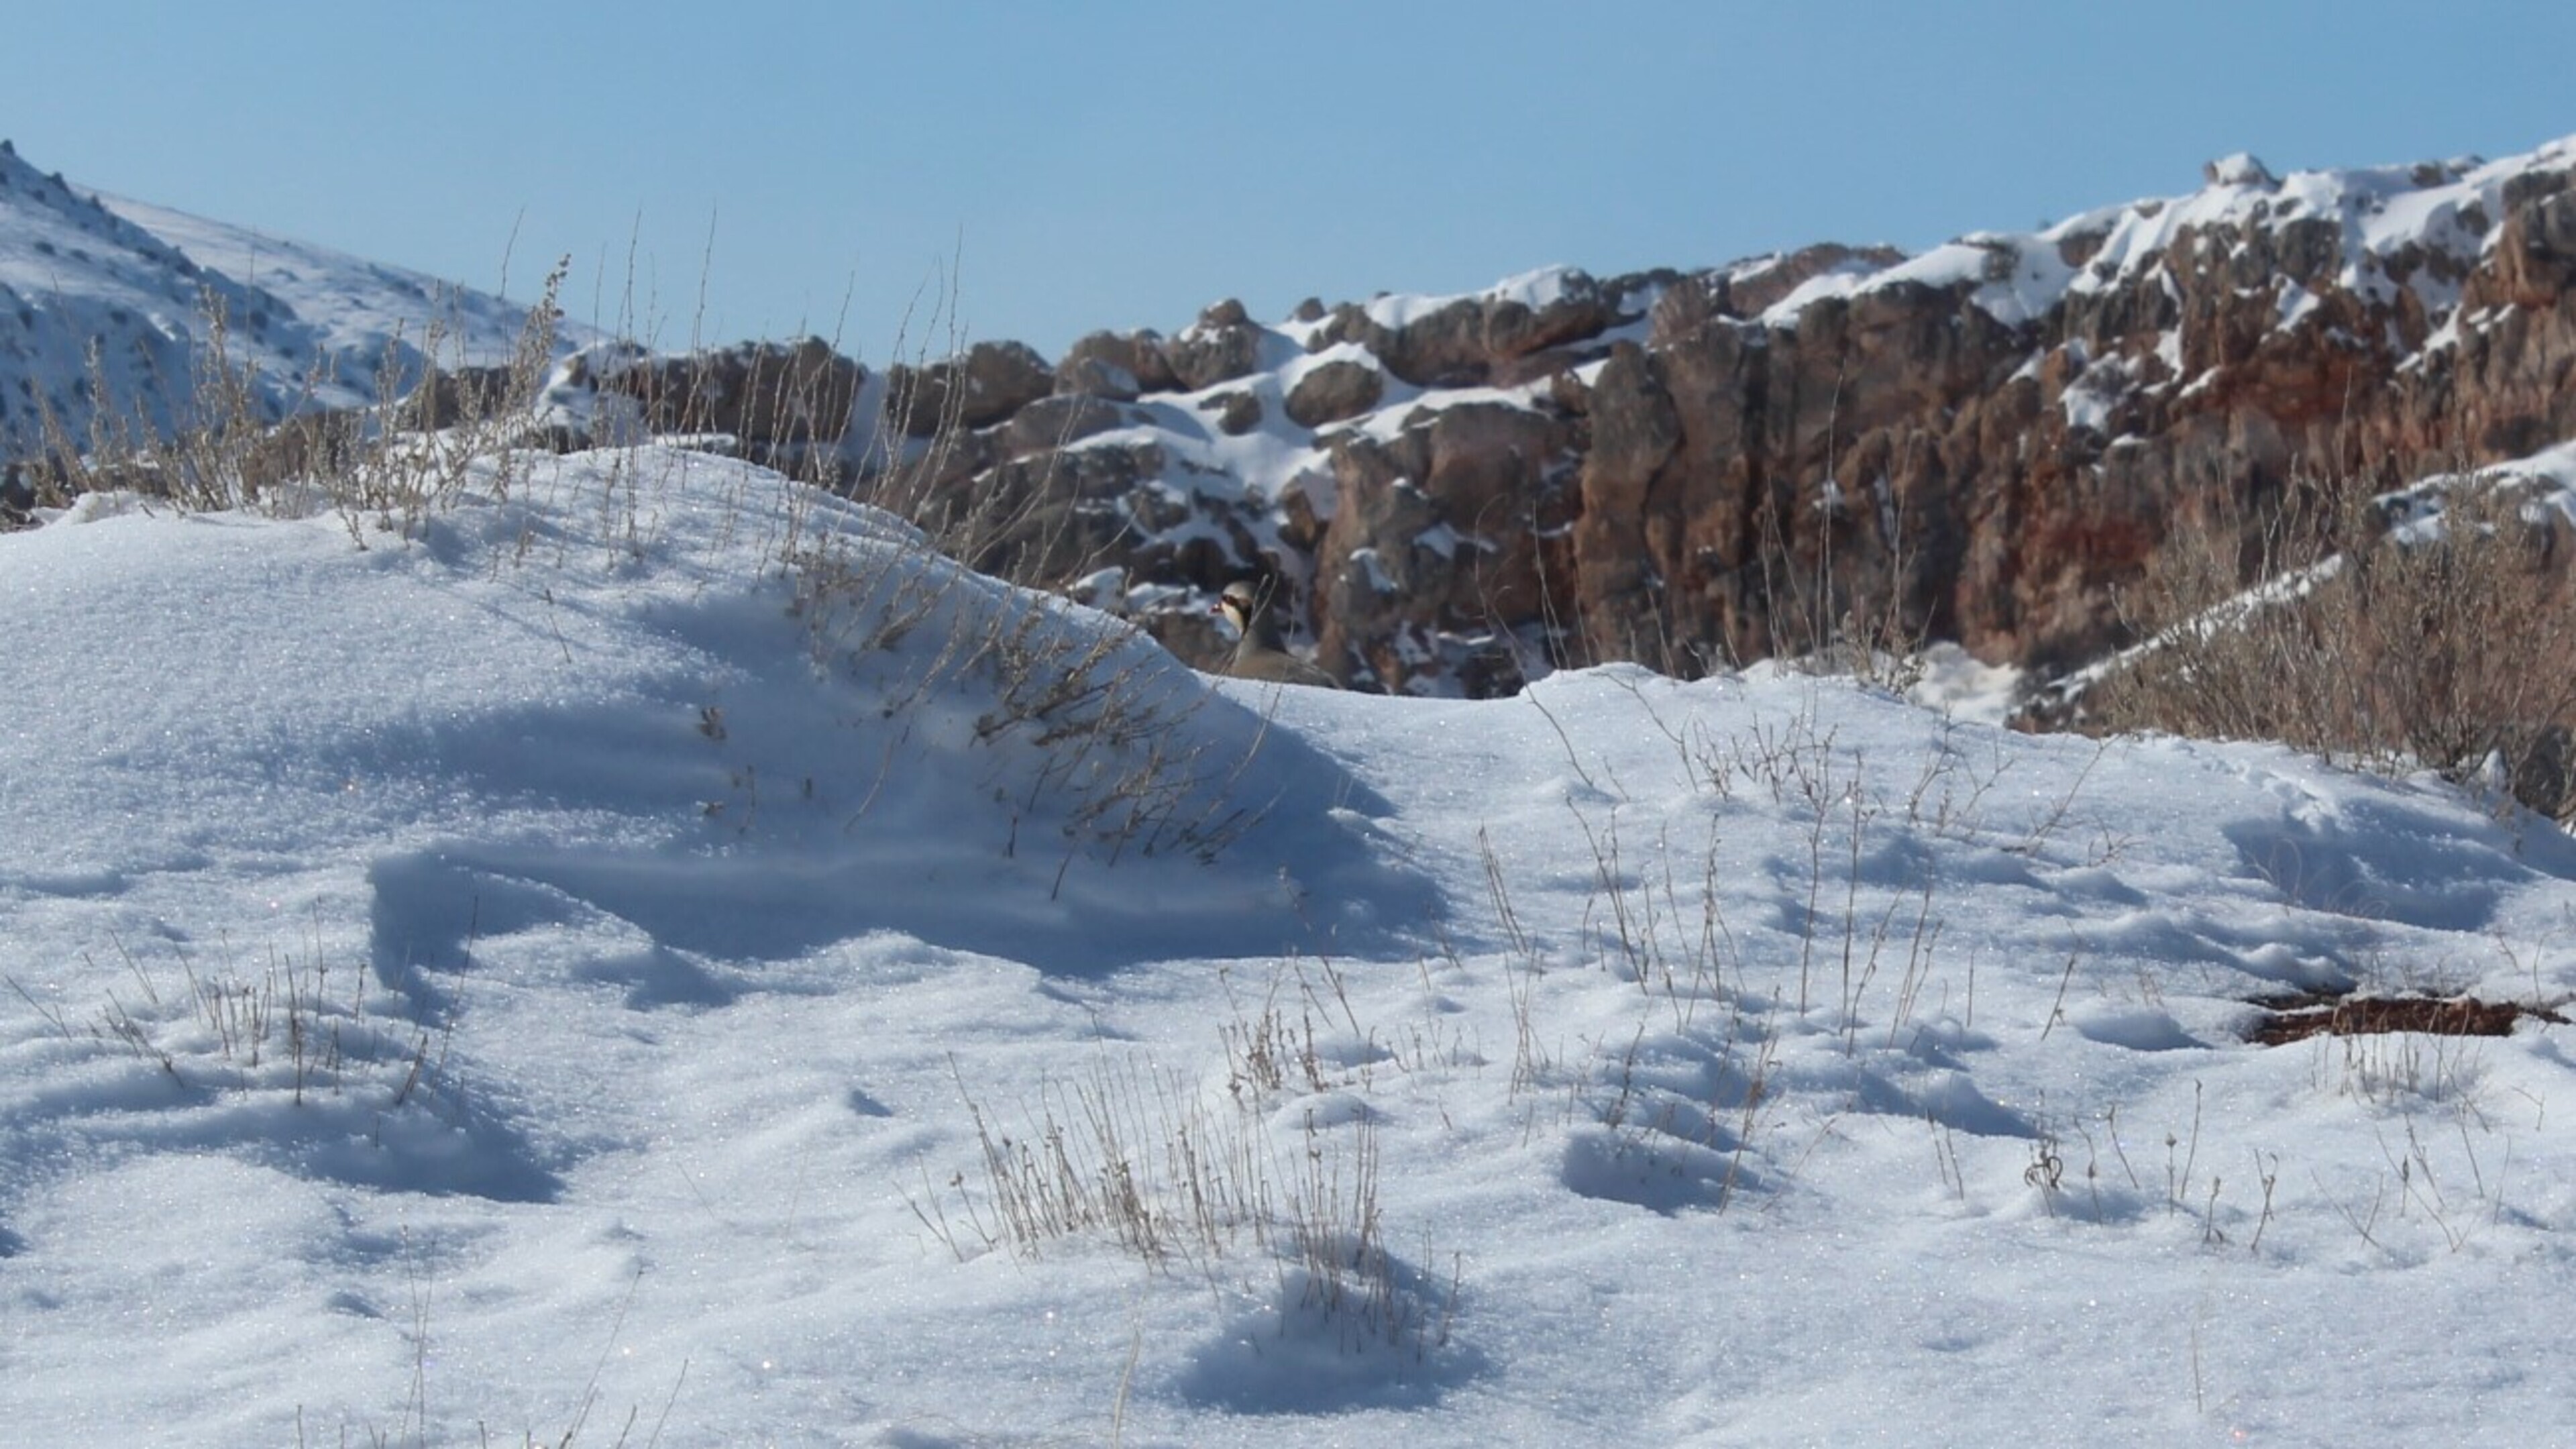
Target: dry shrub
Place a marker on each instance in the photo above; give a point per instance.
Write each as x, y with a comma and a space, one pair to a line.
1134, 1156
2429, 629
234, 447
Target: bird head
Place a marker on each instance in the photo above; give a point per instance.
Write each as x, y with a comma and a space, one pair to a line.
1241, 603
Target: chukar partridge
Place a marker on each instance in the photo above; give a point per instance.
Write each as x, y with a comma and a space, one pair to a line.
1262, 653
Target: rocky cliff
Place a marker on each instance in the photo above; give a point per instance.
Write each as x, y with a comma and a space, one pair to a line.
1690, 468
1972, 444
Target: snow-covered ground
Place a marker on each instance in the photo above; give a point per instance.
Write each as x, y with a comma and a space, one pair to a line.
564, 973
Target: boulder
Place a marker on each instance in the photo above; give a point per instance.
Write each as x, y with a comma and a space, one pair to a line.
1331, 392
1237, 411
982, 386
1573, 306
1053, 422
768, 394
1224, 345
1121, 366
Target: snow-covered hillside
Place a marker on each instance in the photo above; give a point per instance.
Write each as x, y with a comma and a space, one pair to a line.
108, 300
663, 957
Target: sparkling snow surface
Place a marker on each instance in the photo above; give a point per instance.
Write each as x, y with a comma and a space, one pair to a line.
548, 975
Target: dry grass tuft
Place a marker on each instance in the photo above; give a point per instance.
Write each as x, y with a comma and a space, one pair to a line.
2431, 629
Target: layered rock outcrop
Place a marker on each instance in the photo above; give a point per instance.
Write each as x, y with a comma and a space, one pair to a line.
1976, 444
1979, 443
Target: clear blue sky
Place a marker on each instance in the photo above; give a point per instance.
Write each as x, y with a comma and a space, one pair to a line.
1122, 164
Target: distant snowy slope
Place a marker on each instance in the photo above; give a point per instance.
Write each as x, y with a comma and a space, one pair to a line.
351, 304
105, 304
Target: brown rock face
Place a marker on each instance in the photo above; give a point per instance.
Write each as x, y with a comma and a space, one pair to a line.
1690, 470
1753, 482
1432, 556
